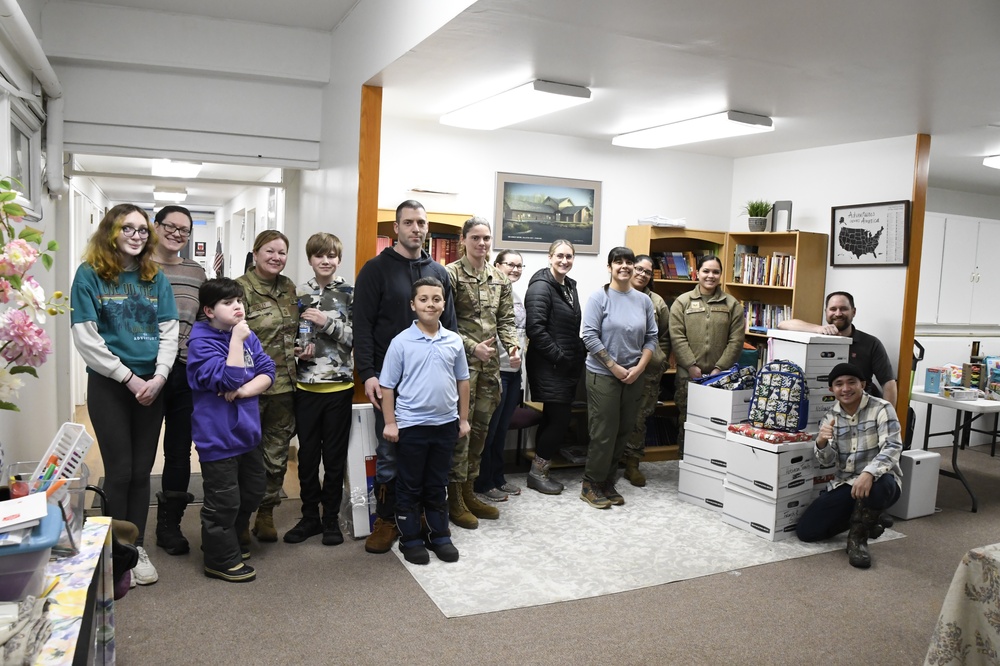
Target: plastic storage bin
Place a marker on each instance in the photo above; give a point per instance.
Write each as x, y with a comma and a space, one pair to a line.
22, 567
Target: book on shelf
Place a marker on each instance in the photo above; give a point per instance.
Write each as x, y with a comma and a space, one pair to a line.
680, 262
382, 243
764, 316
669, 268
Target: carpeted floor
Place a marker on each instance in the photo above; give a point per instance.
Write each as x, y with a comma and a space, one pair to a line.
655, 538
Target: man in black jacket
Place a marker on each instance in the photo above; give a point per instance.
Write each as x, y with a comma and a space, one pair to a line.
382, 311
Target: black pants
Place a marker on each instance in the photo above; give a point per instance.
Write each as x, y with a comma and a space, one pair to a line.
324, 428
552, 428
424, 460
233, 490
830, 513
491, 466
127, 435
177, 408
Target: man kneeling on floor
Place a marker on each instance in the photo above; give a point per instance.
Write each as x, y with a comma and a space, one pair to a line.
860, 434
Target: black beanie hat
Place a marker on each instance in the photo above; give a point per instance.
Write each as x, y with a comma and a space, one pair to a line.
845, 369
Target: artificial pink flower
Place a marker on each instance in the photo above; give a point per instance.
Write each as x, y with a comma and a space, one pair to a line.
22, 341
5, 291
18, 256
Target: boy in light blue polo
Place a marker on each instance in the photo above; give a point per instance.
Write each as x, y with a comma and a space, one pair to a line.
425, 402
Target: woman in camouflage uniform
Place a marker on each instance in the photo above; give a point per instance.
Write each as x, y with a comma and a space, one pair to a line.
273, 315
485, 311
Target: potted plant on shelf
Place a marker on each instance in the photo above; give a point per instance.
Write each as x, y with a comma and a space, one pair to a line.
757, 212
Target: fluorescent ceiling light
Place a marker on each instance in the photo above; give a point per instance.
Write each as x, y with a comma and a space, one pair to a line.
992, 162
531, 100
171, 169
705, 128
169, 194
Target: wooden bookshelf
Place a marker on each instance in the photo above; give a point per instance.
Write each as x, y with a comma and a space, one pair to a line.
803, 296
647, 239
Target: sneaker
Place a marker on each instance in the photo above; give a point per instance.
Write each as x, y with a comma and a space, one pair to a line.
305, 528
511, 489
612, 494
241, 573
591, 494
494, 495
144, 573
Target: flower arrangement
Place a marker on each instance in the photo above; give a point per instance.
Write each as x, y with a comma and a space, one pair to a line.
24, 345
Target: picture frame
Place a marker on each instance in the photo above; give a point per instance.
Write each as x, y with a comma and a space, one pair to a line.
199, 249
781, 216
533, 211
873, 234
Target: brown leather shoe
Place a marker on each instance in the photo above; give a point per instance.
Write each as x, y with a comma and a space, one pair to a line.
384, 534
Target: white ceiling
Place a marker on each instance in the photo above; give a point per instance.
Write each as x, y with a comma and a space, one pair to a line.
827, 73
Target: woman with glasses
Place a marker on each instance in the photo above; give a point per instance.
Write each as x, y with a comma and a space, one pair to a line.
635, 448
125, 327
555, 357
173, 226
491, 482
706, 331
619, 330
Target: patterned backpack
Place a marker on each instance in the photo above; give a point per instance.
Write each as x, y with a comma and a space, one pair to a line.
780, 397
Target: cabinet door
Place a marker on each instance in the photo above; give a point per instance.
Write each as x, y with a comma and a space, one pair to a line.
985, 308
930, 269
957, 270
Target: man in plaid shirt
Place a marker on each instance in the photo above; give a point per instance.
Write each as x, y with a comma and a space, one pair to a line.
861, 435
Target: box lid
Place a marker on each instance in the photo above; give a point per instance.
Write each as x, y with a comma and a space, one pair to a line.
806, 337
44, 535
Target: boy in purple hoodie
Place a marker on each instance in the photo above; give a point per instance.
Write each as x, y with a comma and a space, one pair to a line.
227, 369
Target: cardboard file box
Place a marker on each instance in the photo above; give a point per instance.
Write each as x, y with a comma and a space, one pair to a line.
716, 408
699, 486
774, 520
920, 482
360, 475
809, 349
705, 448
771, 470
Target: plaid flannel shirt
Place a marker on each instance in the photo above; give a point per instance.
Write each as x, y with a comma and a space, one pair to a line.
869, 442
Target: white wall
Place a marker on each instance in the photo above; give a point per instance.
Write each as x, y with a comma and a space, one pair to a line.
636, 183
954, 202
816, 180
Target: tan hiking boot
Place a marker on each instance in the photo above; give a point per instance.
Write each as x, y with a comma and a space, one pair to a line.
457, 511
384, 534
263, 527
478, 508
633, 473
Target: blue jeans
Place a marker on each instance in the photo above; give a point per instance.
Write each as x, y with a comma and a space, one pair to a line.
830, 513
491, 468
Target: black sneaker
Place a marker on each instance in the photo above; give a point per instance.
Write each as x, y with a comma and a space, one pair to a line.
332, 535
244, 573
307, 527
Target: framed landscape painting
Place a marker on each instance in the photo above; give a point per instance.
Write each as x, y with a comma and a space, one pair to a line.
533, 211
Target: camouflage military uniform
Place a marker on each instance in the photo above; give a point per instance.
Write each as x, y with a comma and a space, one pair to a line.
485, 309
273, 315
636, 445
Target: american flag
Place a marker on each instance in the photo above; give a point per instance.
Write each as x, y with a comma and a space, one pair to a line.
219, 265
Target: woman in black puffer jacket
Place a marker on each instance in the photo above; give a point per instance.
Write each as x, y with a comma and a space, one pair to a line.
555, 357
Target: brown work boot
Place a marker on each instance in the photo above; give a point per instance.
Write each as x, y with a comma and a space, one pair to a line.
478, 508
384, 534
633, 473
263, 527
457, 511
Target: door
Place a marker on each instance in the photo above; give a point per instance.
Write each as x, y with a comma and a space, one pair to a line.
958, 270
987, 277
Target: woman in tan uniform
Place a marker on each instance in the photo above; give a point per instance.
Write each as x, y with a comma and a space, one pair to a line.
706, 332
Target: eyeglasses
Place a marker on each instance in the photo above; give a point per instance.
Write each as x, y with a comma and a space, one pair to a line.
171, 229
513, 266
643, 271
141, 232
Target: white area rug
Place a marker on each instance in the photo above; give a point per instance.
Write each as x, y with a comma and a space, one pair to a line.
546, 549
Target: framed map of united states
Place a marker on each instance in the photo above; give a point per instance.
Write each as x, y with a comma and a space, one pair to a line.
875, 234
